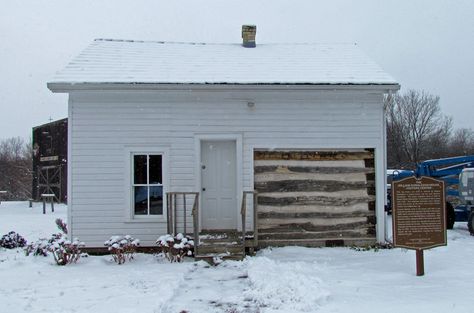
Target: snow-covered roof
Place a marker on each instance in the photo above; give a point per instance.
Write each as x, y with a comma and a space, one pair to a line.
153, 62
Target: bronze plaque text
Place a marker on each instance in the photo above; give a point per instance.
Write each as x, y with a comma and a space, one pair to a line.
419, 213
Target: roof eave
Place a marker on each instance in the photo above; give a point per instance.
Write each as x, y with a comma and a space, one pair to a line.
51, 123
66, 87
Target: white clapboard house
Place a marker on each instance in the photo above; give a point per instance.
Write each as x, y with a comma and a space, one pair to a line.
168, 137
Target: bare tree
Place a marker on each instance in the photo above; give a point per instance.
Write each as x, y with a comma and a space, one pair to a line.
416, 128
462, 142
15, 168
438, 143
12, 149
395, 152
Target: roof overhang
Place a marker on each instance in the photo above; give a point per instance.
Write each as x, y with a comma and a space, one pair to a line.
66, 87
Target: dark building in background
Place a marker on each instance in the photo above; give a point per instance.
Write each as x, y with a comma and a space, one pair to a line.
50, 160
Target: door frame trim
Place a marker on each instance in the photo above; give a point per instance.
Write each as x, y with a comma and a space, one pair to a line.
237, 138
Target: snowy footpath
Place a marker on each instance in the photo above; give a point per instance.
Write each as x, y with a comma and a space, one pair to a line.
291, 279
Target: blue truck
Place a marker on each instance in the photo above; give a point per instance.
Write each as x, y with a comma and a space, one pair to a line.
458, 175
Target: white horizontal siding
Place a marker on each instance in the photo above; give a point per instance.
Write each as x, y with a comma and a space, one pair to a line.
105, 124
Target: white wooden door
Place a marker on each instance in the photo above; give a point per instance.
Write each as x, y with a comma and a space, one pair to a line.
218, 185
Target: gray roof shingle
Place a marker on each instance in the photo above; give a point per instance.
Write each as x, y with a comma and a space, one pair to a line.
122, 61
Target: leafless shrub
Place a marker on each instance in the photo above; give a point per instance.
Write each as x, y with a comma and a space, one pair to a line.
16, 168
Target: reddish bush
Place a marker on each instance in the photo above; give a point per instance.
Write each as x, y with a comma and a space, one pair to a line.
61, 225
175, 248
65, 251
12, 240
122, 247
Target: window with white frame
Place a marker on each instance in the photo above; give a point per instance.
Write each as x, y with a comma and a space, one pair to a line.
147, 184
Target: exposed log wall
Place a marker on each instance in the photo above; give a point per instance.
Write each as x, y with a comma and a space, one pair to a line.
315, 198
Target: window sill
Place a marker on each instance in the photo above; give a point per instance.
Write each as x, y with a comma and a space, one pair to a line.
146, 220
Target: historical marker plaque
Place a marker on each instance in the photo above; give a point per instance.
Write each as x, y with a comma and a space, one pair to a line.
419, 213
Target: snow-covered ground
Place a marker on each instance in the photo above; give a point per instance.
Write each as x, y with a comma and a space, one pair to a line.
291, 279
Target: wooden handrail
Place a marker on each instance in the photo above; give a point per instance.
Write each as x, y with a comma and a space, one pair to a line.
243, 212
172, 207
172, 200
195, 212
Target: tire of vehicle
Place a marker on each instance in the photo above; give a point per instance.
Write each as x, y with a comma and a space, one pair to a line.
450, 216
470, 223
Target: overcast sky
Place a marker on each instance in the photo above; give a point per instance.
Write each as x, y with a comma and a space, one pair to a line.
424, 44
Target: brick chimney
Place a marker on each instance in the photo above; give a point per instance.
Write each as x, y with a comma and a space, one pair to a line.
248, 35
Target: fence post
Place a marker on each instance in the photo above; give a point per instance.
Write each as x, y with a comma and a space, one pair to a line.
2, 192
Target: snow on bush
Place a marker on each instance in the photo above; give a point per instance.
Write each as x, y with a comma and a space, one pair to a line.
288, 287
122, 247
175, 248
65, 251
12, 240
41, 246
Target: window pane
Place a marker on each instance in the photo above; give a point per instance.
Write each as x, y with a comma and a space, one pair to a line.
139, 169
155, 169
464, 177
141, 200
156, 200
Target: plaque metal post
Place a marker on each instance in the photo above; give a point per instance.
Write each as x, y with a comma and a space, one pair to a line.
420, 264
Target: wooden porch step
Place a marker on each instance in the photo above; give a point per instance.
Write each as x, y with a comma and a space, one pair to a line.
221, 241
212, 258
225, 236
222, 249
220, 245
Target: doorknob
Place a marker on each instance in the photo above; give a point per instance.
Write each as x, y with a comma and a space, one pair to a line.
203, 189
